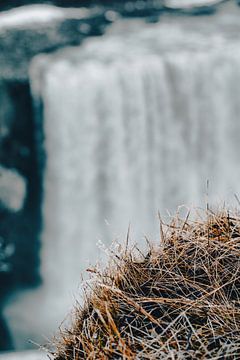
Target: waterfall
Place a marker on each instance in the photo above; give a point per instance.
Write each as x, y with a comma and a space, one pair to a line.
134, 122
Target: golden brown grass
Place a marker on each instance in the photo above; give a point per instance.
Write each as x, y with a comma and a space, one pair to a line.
180, 300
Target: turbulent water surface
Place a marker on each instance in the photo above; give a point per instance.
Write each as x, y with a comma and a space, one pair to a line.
134, 122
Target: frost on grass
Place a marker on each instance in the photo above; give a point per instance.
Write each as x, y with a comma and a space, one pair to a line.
178, 301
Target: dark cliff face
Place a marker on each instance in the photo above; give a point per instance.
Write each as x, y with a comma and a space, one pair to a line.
6, 4
20, 230
17, 151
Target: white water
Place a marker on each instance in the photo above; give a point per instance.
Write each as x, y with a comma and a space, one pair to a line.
134, 122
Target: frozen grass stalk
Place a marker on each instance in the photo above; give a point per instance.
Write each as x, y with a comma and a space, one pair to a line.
179, 300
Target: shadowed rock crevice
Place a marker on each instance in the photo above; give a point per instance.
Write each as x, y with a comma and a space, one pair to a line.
20, 229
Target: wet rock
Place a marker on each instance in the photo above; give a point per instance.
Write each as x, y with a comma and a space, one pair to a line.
34, 29
6, 112
20, 210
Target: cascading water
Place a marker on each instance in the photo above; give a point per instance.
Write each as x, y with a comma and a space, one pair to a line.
134, 122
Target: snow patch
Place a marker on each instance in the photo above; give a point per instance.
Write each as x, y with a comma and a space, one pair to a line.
12, 189
26, 355
182, 4
25, 16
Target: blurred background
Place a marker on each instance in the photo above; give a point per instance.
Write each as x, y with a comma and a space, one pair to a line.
110, 111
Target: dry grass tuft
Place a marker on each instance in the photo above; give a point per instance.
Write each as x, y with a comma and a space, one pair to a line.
178, 301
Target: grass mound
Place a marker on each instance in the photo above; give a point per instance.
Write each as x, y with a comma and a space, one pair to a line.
180, 300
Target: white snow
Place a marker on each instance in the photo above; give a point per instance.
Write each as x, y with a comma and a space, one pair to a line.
178, 4
26, 355
12, 189
25, 16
